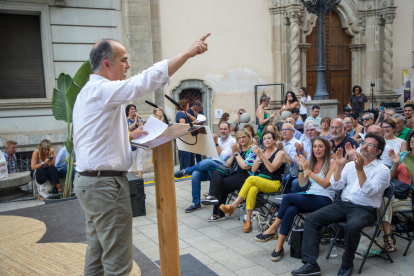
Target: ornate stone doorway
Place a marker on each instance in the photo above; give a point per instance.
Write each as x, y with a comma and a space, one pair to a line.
338, 60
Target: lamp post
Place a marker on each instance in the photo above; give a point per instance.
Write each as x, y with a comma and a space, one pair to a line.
320, 8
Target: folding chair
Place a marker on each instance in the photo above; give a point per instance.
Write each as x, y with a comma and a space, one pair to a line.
389, 193
409, 237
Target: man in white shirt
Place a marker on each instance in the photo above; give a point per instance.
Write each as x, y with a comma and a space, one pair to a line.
363, 183
103, 151
202, 170
314, 115
288, 143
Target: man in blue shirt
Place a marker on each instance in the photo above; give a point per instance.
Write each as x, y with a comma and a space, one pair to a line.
61, 164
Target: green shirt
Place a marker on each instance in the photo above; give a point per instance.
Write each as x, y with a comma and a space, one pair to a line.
404, 133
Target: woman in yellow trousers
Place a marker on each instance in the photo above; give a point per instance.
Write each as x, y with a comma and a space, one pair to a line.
268, 164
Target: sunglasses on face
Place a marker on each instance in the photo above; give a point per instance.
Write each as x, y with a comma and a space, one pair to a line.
366, 119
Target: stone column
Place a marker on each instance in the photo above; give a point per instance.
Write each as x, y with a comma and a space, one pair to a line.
387, 54
303, 47
294, 50
356, 50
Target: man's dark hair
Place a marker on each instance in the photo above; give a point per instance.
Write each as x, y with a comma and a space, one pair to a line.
380, 141
409, 105
103, 50
197, 103
353, 115
316, 107
356, 86
224, 122
295, 110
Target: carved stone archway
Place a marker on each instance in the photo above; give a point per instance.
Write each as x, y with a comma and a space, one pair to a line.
206, 91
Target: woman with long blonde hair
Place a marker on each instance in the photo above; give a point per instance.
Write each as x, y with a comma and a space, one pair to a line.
225, 180
43, 165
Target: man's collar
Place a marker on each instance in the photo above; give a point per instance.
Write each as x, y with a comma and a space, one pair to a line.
373, 163
225, 139
96, 77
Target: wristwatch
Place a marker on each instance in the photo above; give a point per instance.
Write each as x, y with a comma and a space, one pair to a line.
217, 144
236, 154
43, 163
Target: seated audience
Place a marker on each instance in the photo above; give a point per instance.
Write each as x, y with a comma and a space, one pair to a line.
9, 153
314, 115
304, 147
399, 172
251, 130
262, 116
223, 182
273, 128
349, 126
62, 166
269, 166
367, 120
290, 120
318, 172
236, 122
202, 171
388, 128
288, 144
296, 116
325, 125
401, 131
339, 137
363, 183
186, 158
43, 165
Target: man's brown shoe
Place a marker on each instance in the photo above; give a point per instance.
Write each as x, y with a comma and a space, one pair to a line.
228, 209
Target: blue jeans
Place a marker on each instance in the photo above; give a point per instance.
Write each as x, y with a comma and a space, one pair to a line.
63, 171
200, 172
293, 204
296, 188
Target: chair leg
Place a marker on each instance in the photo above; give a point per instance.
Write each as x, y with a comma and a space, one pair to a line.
332, 245
409, 244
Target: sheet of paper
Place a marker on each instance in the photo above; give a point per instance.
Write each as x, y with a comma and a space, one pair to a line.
201, 118
205, 144
154, 127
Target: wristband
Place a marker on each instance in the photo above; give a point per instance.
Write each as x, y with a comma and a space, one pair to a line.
236, 154
303, 152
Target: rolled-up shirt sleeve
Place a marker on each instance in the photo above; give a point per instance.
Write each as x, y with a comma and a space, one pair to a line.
114, 93
377, 183
340, 184
226, 154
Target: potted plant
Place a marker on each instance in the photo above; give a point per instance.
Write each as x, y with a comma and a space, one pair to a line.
63, 101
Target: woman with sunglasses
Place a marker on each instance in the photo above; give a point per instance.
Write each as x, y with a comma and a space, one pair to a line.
397, 144
43, 166
224, 181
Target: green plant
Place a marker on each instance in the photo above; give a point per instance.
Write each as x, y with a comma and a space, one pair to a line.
63, 101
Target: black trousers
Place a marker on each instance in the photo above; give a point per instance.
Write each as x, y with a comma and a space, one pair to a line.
221, 185
357, 217
48, 173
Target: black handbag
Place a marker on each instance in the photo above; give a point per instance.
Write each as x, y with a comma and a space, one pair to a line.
401, 189
226, 170
296, 238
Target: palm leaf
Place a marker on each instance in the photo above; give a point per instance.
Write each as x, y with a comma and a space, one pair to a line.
59, 106
82, 75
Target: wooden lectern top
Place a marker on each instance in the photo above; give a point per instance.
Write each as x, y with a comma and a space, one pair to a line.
172, 132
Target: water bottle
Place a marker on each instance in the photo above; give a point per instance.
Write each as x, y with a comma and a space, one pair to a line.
255, 224
242, 213
334, 253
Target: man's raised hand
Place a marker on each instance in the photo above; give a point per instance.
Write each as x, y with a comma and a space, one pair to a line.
198, 47
340, 159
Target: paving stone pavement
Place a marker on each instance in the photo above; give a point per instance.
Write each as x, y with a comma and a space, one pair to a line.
227, 250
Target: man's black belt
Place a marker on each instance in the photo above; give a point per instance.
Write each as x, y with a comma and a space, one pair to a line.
102, 173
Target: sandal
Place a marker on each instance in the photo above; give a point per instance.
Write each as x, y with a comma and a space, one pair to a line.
266, 237
39, 197
59, 189
390, 245
214, 218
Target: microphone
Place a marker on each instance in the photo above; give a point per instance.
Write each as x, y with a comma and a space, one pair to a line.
156, 106
192, 127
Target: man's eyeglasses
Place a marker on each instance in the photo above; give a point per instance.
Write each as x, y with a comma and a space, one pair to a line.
286, 129
335, 127
369, 145
366, 119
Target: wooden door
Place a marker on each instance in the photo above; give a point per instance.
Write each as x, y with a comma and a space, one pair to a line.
338, 63
191, 95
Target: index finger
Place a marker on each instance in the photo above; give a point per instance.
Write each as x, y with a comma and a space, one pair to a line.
204, 37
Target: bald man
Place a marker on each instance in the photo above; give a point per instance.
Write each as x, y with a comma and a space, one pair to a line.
103, 152
339, 137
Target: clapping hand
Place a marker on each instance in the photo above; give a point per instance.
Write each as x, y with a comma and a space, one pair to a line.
234, 148
215, 138
305, 163
258, 151
298, 161
299, 148
279, 145
359, 161
395, 157
340, 159
350, 150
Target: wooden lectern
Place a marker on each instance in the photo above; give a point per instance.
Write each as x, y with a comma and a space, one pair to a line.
165, 195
